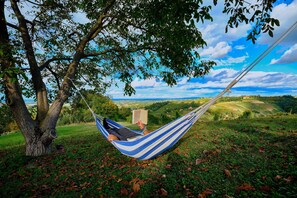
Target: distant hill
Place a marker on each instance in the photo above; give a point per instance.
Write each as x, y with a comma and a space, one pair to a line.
224, 109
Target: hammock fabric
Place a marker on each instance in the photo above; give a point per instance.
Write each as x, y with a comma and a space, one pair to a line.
160, 140
154, 143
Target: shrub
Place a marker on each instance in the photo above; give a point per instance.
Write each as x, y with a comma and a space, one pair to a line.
216, 117
6, 119
247, 115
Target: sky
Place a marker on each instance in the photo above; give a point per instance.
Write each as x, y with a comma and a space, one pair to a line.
275, 75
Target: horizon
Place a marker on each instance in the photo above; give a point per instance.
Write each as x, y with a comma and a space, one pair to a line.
29, 101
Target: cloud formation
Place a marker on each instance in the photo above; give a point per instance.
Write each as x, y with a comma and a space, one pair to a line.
290, 56
220, 50
287, 16
254, 83
231, 60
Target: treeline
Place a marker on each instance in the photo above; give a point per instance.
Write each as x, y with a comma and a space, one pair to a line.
78, 111
159, 112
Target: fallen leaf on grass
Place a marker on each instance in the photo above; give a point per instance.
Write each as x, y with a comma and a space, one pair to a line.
277, 178
199, 161
245, 187
119, 180
227, 173
262, 150
206, 192
136, 184
136, 187
206, 152
289, 179
168, 166
265, 188
162, 192
124, 191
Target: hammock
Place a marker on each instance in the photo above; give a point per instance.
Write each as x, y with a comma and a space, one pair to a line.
154, 143
160, 140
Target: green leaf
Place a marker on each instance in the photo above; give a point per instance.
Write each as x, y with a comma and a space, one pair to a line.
270, 33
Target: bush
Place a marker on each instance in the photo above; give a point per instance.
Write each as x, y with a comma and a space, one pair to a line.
6, 119
216, 117
101, 105
247, 115
153, 119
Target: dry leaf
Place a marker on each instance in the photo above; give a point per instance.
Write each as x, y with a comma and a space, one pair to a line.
206, 152
227, 173
217, 151
278, 177
199, 161
265, 188
168, 166
136, 187
245, 187
134, 181
141, 182
124, 191
261, 150
289, 179
163, 192
206, 192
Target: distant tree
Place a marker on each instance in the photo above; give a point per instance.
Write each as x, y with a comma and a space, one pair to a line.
288, 104
42, 47
100, 104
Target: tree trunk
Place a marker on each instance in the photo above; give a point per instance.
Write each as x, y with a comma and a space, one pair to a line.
39, 143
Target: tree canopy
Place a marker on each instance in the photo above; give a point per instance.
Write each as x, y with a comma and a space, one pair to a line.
46, 43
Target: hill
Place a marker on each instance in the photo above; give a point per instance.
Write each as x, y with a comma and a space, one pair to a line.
227, 108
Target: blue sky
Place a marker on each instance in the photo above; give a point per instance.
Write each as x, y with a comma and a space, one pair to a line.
276, 74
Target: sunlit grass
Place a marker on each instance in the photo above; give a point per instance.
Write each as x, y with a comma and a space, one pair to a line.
238, 158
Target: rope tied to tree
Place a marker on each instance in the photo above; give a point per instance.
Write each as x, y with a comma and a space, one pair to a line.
84, 99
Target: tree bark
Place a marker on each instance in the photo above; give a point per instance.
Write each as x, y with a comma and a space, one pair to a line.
38, 144
38, 133
38, 139
39, 86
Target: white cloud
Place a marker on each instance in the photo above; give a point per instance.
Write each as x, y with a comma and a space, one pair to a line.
239, 47
287, 15
152, 82
220, 50
290, 56
214, 32
231, 60
265, 83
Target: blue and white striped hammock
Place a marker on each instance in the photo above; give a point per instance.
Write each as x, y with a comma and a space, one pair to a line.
160, 140
156, 142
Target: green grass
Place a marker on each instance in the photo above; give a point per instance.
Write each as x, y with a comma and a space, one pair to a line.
236, 158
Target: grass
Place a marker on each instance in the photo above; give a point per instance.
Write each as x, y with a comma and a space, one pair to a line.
237, 158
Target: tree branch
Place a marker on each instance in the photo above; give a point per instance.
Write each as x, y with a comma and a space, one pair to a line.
119, 50
34, 3
12, 26
55, 75
46, 63
39, 86
55, 109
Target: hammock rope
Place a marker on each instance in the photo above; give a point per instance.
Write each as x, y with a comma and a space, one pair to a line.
160, 140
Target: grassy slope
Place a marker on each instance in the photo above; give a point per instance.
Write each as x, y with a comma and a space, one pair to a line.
239, 158
227, 108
